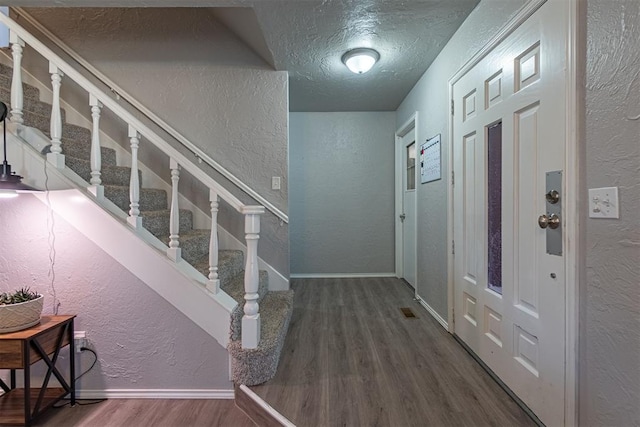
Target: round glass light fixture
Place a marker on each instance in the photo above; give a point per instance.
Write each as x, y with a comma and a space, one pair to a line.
360, 60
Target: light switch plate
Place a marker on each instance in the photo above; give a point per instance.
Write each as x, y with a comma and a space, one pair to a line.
275, 182
603, 203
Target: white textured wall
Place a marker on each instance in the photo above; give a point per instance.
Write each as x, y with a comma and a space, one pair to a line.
141, 340
610, 322
342, 194
196, 75
430, 98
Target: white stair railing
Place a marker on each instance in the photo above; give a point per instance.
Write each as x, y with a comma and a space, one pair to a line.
98, 99
55, 129
174, 251
17, 97
214, 282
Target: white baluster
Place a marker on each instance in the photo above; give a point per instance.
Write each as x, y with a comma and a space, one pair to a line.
96, 161
213, 285
55, 156
17, 97
174, 251
251, 318
134, 218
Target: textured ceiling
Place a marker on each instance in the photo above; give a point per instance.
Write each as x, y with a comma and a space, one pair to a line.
308, 37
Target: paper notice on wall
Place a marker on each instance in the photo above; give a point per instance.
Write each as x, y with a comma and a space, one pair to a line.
430, 160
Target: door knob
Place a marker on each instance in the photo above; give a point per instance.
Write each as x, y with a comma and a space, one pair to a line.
552, 221
402, 217
552, 197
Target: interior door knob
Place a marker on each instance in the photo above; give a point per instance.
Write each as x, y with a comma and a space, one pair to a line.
552, 221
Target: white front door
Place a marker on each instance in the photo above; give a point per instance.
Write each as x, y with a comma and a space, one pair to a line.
508, 133
406, 151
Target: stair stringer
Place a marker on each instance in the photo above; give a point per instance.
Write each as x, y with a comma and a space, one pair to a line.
129, 247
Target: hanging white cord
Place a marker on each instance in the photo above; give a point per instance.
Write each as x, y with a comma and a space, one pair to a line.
52, 241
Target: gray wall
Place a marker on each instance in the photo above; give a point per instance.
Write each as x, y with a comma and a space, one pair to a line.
201, 79
430, 99
142, 341
342, 192
610, 321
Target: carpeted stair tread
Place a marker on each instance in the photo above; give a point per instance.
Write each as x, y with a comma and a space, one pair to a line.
82, 150
110, 175
194, 244
158, 222
151, 199
28, 91
235, 289
230, 264
78, 150
256, 366
30, 104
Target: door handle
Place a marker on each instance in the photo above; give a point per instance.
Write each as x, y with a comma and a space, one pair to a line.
552, 197
552, 221
402, 217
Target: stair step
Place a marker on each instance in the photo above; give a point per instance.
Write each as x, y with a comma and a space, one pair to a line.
28, 91
194, 244
256, 366
69, 131
230, 264
151, 199
158, 222
30, 104
110, 175
81, 151
235, 290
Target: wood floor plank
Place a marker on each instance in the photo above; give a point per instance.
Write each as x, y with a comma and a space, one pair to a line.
352, 358
148, 413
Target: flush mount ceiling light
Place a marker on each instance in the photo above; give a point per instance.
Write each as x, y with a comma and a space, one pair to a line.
10, 183
360, 60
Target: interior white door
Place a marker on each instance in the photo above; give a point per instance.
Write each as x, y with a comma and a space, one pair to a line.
508, 132
408, 151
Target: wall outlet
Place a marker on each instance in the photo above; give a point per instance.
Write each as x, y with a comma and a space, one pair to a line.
80, 340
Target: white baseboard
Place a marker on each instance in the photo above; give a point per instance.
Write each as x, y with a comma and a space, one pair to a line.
154, 394
272, 413
432, 312
340, 275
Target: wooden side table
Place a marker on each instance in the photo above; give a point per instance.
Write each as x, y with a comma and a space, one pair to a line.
19, 350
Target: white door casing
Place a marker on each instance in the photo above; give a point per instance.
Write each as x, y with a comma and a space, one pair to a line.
520, 83
406, 210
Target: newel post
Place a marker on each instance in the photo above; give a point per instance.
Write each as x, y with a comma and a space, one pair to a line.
213, 285
17, 97
96, 186
251, 318
55, 130
174, 252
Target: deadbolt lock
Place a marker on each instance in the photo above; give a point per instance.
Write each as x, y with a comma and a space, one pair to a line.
552, 197
552, 221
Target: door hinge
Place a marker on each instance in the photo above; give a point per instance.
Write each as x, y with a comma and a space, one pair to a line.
453, 247
452, 107
453, 178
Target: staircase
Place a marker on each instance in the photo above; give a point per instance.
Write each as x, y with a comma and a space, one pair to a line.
171, 226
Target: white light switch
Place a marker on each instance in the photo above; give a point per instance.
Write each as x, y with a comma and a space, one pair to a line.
603, 203
275, 182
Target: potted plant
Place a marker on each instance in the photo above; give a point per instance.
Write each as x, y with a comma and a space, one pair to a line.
19, 310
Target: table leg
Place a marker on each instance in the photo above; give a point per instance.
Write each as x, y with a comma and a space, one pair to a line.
27, 382
72, 364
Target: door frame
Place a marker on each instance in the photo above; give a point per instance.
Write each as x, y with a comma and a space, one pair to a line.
410, 124
573, 225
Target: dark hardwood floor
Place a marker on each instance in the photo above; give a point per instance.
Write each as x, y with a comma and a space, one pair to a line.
147, 413
352, 358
